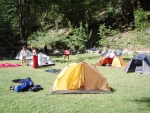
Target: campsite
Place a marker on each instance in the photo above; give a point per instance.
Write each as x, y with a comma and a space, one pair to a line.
75, 56
130, 91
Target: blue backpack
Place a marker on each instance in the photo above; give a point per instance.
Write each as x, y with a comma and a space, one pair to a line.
25, 84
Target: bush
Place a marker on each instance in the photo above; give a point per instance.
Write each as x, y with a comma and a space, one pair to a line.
142, 19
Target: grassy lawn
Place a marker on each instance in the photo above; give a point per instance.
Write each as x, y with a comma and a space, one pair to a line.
131, 95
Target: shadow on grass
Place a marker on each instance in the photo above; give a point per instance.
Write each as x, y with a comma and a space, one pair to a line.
144, 100
112, 89
55, 55
62, 61
126, 59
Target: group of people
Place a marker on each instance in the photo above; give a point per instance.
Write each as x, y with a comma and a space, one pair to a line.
108, 53
23, 53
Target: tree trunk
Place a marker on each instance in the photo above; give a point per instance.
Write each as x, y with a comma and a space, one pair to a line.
128, 12
24, 20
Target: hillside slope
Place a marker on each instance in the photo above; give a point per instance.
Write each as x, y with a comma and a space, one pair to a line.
133, 40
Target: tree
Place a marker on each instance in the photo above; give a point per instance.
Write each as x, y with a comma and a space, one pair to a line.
145, 5
41, 20
128, 12
77, 38
8, 24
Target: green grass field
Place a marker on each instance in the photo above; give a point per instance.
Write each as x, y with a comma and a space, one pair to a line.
131, 95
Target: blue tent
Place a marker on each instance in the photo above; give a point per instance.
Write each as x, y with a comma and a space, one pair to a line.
140, 63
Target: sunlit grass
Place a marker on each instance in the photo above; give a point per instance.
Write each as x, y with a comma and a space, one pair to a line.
131, 93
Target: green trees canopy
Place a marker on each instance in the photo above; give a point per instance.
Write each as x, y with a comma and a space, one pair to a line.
38, 22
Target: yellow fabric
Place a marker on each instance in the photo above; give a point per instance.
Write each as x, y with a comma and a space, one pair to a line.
62, 81
116, 62
74, 75
57, 84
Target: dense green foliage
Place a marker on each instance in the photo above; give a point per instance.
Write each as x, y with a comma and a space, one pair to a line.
39, 23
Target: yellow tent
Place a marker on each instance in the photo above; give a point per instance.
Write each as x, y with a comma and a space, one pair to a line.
80, 78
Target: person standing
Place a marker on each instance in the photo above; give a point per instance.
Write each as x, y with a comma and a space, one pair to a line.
33, 51
23, 54
66, 53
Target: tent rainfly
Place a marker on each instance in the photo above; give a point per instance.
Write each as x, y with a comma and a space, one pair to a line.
140, 63
80, 78
115, 62
43, 60
28, 57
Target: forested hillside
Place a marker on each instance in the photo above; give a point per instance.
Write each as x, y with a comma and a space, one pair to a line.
74, 23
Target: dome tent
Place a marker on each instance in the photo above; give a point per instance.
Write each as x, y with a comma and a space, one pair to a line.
28, 57
140, 63
115, 62
80, 78
43, 60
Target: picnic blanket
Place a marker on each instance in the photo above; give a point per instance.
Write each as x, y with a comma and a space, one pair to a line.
6, 65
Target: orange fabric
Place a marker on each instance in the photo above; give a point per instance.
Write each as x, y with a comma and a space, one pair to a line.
96, 81
107, 61
104, 60
115, 62
123, 64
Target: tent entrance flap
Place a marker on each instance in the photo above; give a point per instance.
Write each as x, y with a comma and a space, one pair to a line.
80, 78
139, 69
115, 62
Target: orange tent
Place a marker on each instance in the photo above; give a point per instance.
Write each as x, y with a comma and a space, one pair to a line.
113, 62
